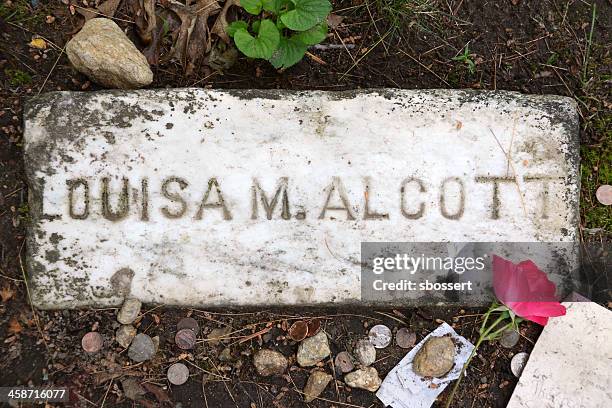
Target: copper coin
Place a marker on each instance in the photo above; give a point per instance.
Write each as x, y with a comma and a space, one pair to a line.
298, 330
185, 339
92, 342
178, 374
604, 194
404, 338
188, 323
313, 327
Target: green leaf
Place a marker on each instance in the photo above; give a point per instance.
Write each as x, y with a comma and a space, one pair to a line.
255, 26
289, 52
252, 6
306, 14
313, 36
273, 6
235, 26
262, 46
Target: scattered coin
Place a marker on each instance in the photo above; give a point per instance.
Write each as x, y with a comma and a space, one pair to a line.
188, 323
344, 362
509, 338
518, 363
380, 336
313, 327
298, 330
185, 339
92, 342
604, 194
178, 374
404, 338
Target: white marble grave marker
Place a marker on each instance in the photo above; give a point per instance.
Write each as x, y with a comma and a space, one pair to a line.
206, 197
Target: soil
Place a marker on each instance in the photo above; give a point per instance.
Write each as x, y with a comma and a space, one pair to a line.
539, 47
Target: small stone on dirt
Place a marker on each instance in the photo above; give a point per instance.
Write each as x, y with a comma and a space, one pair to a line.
435, 358
185, 339
380, 336
178, 374
129, 311
142, 348
509, 338
125, 334
226, 355
365, 352
103, 52
269, 362
344, 362
132, 388
92, 342
218, 334
404, 338
313, 349
315, 385
365, 378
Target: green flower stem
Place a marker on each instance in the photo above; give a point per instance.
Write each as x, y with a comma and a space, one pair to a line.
486, 335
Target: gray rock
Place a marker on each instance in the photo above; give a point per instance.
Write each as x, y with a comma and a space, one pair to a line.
269, 362
365, 352
435, 358
129, 311
106, 55
125, 334
365, 378
142, 348
313, 349
218, 334
315, 385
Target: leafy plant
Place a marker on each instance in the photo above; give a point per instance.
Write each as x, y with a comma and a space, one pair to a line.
17, 77
284, 30
466, 59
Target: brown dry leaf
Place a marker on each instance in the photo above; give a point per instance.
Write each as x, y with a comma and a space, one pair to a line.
14, 327
6, 294
159, 393
143, 12
334, 21
193, 39
109, 7
219, 28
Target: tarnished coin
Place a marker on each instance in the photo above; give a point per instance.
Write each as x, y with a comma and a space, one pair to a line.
92, 342
344, 362
185, 339
404, 338
509, 338
298, 330
178, 374
380, 336
188, 323
518, 363
604, 194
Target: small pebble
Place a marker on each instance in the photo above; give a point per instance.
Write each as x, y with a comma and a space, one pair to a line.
142, 348
188, 323
380, 336
365, 352
518, 363
604, 194
404, 338
178, 374
344, 362
185, 339
509, 338
129, 311
125, 334
92, 342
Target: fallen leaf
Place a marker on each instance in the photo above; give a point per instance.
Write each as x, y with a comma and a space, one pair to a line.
159, 393
220, 26
38, 43
6, 294
109, 7
334, 21
14, 327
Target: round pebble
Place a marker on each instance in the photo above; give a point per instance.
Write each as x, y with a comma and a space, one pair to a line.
185, 339
518, 363
129, 311
92, 342
125, 334
404, 338
178, 374
365, 352
188, 323
344, 362
509, 338
142, 348
380, 336
604, 194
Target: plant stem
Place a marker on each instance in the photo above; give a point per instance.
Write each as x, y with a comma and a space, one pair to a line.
482, 338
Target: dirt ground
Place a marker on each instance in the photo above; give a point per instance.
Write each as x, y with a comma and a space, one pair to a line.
537, 47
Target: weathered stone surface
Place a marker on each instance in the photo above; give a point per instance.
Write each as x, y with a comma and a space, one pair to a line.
129, 311
142, 348
365, 378
313, 349
365, 352
315, 385
104, 53
435, 358
125, 334
269, 362
124, 188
